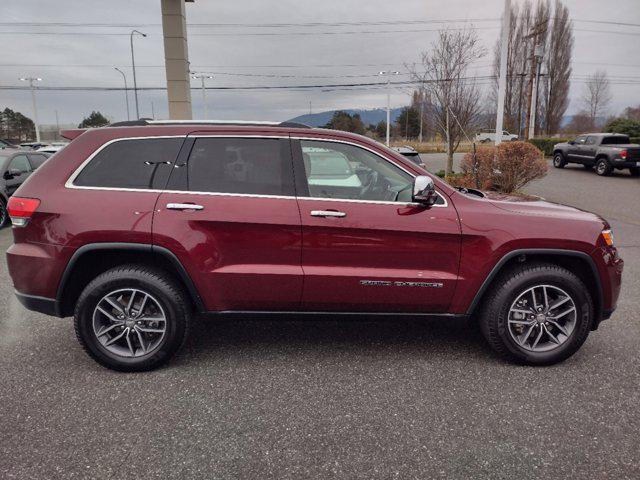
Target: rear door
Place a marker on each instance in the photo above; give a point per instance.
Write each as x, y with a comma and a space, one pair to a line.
365, 247
230, 215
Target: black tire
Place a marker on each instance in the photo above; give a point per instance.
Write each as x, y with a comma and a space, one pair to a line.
634, 171
558, 160
4, 215
603, 168
164, 289
494, 314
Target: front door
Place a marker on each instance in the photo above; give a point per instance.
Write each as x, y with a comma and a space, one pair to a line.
230, 216
576, 151
17, 172
365, 247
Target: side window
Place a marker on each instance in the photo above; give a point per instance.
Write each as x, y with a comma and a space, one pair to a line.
590, 140
20, 163
252, 166
37, 160
138, 163
580, 140
338, 170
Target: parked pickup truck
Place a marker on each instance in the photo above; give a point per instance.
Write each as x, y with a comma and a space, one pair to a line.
604, 151
487, 136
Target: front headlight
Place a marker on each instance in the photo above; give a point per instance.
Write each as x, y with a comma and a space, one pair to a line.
608, 237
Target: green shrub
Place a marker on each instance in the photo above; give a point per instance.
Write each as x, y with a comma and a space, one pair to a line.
546, 144
635, 139
624, 125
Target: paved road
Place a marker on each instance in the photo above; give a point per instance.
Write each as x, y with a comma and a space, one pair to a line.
332, 399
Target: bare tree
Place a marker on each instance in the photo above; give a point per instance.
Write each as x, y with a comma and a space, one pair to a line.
556, 83
596, 96
455, 96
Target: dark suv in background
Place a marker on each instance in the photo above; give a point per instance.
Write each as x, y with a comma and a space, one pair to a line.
16, 166
604, 151
133, 229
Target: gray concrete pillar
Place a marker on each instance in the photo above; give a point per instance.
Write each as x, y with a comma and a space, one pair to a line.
176, 59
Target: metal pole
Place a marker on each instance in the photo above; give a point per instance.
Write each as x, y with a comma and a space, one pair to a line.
534, 107
448, 169
204, 98
133, 66
502, 81
35, 109
57, 126
126, 91
388, 107
153, 111
421, 115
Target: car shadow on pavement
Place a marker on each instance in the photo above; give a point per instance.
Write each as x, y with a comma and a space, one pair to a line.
447, 338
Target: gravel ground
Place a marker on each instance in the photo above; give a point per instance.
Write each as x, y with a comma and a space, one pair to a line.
332, 399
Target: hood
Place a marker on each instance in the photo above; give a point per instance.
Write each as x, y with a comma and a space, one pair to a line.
536, 206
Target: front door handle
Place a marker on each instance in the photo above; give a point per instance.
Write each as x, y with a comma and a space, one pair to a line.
327, 213
184, 206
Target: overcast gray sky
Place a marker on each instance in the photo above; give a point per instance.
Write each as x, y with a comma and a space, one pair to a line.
295, 55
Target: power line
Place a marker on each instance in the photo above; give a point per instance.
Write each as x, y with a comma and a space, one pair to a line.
247, 34
250, 25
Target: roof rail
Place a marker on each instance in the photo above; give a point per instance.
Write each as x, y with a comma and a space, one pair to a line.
148, 121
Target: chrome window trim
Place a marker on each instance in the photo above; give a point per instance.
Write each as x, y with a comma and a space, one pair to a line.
69, 183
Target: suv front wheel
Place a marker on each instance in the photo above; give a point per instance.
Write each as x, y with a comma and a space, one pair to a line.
538, 314
132, 318
558, 160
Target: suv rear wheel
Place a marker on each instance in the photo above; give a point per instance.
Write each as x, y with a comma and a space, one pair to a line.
538, 314
603, 168
132, 318
558, 160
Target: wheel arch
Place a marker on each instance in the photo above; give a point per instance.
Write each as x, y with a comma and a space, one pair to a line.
92, 259
577, 262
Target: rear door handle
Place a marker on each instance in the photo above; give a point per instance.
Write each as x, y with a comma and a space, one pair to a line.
184, 206
327, 213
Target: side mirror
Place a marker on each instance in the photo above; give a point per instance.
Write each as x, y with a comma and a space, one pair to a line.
424, 191
12, 173
571, 142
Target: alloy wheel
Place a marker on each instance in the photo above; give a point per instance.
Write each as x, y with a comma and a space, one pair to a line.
129, 322
542, 318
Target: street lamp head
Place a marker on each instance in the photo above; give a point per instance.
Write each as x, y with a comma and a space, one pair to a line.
138, 32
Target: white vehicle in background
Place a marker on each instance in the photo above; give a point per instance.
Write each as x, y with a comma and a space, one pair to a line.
487, 136
52, 148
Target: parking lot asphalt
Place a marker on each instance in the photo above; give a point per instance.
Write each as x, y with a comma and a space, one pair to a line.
332, 399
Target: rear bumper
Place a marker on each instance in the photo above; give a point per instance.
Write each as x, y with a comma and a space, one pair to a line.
48, 306
619, 163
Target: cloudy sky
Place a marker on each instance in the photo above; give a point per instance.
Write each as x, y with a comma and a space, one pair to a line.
73, 45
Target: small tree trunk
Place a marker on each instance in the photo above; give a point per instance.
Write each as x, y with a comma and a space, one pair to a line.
449, 169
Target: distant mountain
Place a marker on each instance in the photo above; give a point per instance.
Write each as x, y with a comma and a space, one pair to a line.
368, 116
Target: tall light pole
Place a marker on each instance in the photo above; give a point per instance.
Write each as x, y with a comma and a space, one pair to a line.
202, 77
126, 91
538, 54
33, 101
133, 65
387, 73
502, 81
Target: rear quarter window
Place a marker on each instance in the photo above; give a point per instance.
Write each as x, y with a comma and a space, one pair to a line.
137, 163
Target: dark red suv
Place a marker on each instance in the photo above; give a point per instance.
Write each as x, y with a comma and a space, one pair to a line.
133, 229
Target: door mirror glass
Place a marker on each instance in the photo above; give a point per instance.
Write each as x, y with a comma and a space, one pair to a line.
424, 190
11, 173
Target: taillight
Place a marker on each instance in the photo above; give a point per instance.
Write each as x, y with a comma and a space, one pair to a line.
623, 154
20, 210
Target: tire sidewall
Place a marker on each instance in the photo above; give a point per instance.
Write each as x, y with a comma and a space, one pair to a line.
576, 291
605, 170
175, 325
558, 160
